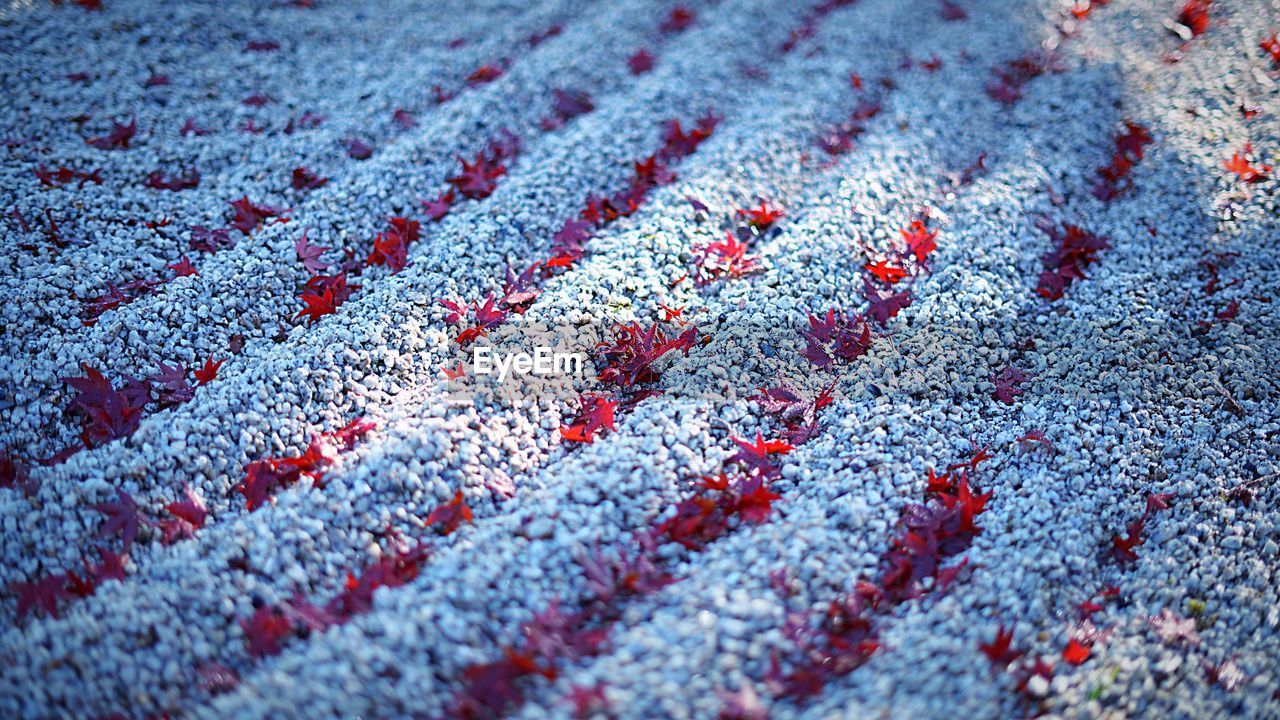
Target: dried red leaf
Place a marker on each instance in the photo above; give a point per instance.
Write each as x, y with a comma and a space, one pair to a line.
450, 515
117, 139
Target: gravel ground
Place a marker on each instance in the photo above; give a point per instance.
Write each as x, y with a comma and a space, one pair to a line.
1151, 376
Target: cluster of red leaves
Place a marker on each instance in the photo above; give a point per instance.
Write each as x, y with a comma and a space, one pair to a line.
1113, 179
798, 414
1245, 170
267, 629
264, 477
479, 317
907, 258
1194, 16
808, 26
63, 175
595, 413
843, 638
1123, 549
723, 260
1003, 655
47, 593
1271, 46
1008, 80
121, 519
210, 240
322, 295
941, 528
1033, 439
570, 241
1213, 283
188, 179
117, 139
837, 338
479, 178
728, 259
494, 688
247, 217
629, 359
108, 414
1074, 249
391, 247
838, 139
1008, 384
704, 518
115, 296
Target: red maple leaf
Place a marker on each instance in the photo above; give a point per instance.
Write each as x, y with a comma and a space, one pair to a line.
885, 272
249, 217
404, 119
310, 254
304, 179
357, 148
1076, 652
189, 128
478, 178
1194, 16
884, 304
42, 595
629, 359
208, 240
117, 139
722, 260
1271, 46
187, 516
1247, 172
678, 20
568, 243
209, 371
438, 208
969, 505
755, 455
1008, 384
450, 515
1000, 651
838, 337
921, 241
122, 518
183, 268
257, 100
485, 74
107, 413
641, 62
323, 294
188, 179
951, 12
763, 217
595, 413
391, 247
754, 500
266, 630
